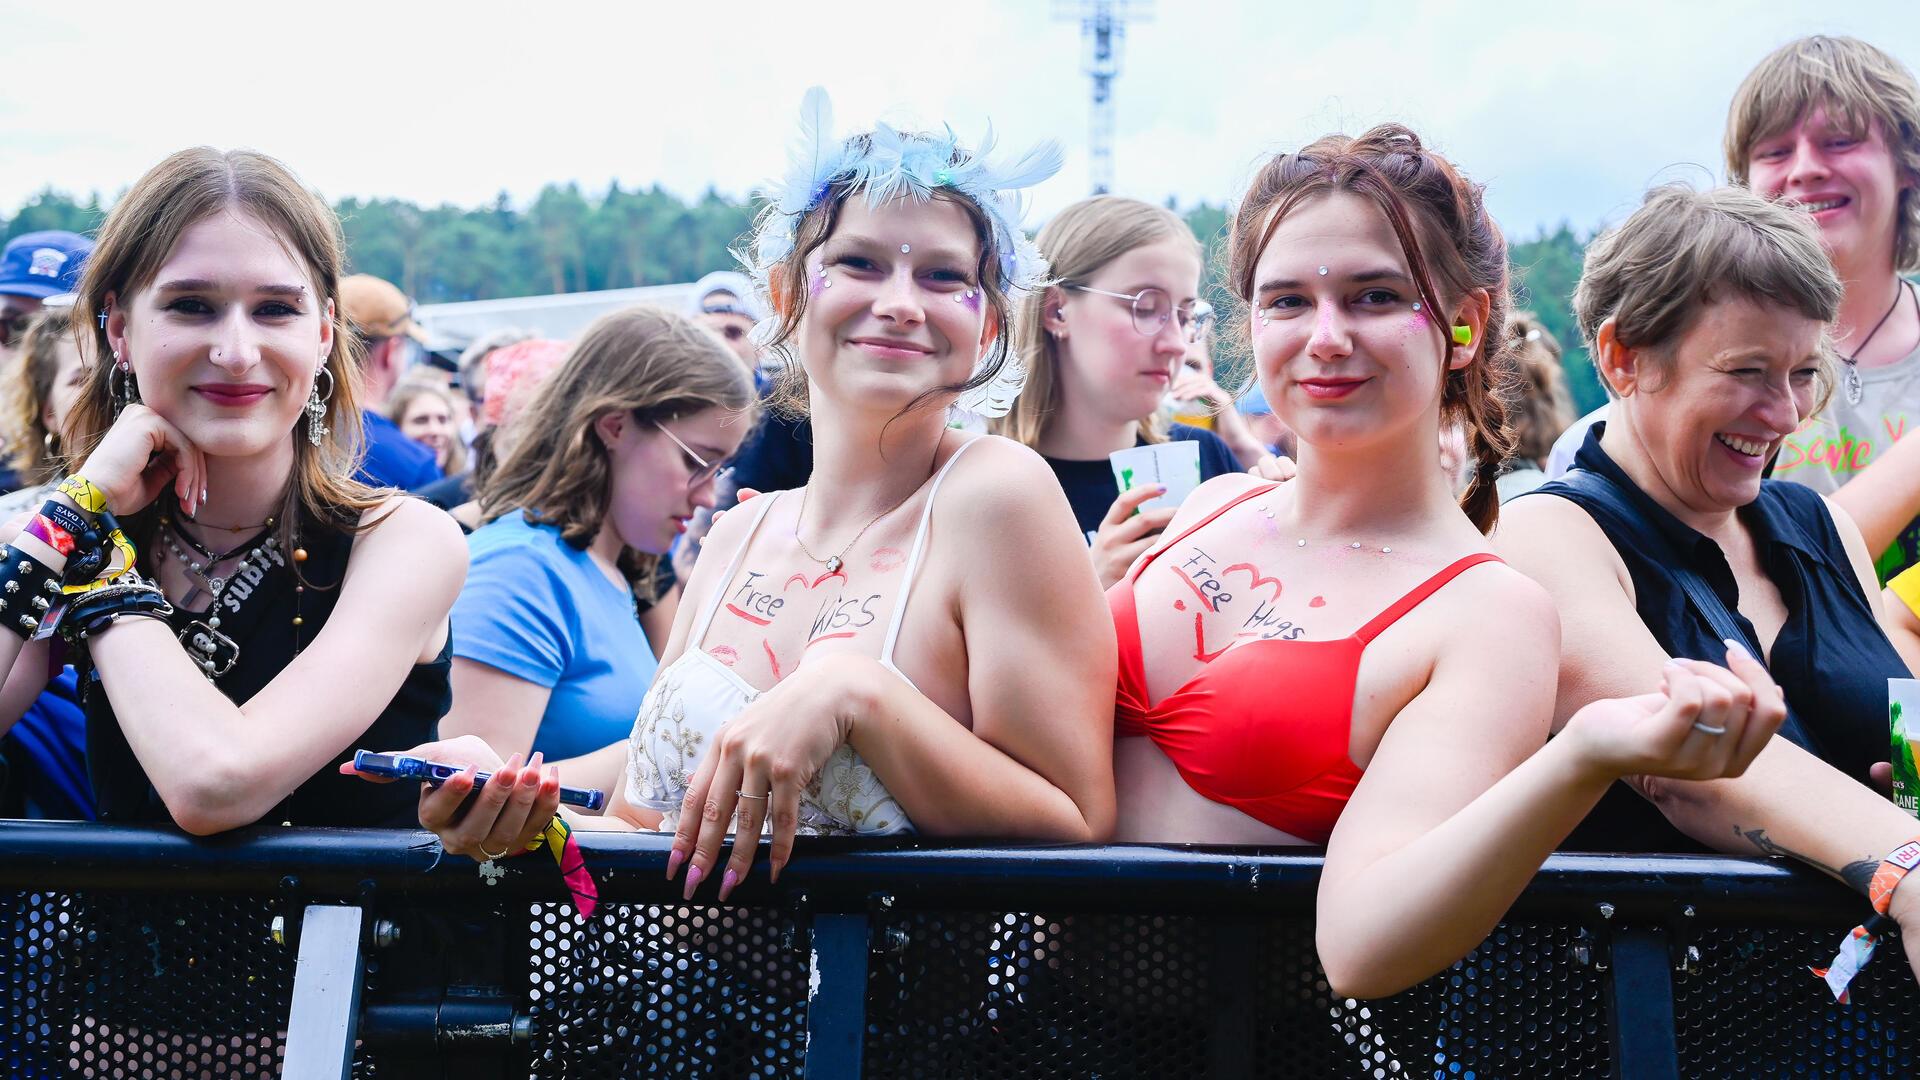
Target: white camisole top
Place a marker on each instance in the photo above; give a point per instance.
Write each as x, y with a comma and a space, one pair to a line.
695, 695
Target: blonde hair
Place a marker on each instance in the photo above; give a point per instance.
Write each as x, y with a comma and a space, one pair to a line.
1543, 408
404, 395
1078, 243
1684, 250
1859, 85
141, 231
28, 385
651, 364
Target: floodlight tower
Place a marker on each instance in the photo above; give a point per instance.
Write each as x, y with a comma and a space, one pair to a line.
1103, 29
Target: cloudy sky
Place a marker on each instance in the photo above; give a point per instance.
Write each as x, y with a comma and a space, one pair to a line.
1566, 109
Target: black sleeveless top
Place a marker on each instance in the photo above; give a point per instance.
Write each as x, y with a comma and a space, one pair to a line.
1831, 656
263, 628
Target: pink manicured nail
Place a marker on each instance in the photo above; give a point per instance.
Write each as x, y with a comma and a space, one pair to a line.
674, 859
693, 881
727, 881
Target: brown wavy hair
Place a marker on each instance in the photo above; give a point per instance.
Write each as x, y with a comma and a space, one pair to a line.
1452, 247
787, 288
1078, 243
1543, 407
652, 364
31, 445
403, 396
141, 231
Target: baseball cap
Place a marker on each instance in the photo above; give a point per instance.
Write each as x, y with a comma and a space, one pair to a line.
43, 264
377, 308
725, 292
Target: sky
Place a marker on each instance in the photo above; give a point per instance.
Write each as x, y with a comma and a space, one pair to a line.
1566, 109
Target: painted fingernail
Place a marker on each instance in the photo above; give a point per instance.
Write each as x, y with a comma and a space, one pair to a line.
1734, 646
693, 881
727, 881
674, 859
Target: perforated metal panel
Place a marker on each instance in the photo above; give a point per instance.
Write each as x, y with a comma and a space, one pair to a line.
644, 990
1753, 1007
116, 985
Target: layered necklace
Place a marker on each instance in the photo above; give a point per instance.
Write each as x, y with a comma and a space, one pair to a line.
212, 650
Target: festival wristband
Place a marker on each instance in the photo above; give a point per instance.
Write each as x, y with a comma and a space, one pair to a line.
64, 516
84, 494
50, 534
1858, 946
92, 566
558, 839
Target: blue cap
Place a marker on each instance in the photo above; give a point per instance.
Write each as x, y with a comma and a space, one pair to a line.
43, 264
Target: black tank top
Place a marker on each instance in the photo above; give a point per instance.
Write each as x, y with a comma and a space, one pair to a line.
263, 628
1831, 657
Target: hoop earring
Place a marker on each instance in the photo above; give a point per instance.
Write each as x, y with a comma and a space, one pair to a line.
317, 407
126, 391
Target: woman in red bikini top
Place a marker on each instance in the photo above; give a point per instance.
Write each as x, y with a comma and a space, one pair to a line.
1341, 659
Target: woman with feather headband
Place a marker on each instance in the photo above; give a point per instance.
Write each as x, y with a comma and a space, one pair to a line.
915, 640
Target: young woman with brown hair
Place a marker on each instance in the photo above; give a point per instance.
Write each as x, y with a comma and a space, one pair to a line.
252, 613
1294, 661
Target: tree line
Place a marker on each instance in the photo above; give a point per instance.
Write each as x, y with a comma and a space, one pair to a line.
566, 240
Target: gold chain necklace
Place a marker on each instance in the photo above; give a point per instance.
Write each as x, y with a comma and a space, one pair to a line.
833, 563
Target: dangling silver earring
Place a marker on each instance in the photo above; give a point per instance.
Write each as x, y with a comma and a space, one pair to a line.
125, 391
317, 407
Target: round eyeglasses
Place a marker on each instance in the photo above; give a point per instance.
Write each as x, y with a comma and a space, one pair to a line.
1152, 309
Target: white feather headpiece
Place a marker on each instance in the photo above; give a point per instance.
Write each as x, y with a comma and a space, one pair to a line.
887, 164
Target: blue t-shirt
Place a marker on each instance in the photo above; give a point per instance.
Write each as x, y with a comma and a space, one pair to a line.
393, 460
1091, 488
539, 609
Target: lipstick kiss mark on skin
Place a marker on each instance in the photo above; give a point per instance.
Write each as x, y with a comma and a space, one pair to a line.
829, 637
887, 559
772, 659
802, 579
1200, 652
754, 619
1318, 601
726, 654
1254, 580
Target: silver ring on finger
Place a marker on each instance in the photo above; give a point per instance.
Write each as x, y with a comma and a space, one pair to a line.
744, 795
1708, 729
491, 857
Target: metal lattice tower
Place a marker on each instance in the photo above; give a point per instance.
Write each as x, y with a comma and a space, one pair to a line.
1103, 29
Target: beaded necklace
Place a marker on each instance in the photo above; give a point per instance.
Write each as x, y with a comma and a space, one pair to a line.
213, 651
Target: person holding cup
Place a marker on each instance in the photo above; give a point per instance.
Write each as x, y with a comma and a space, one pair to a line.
1102, 346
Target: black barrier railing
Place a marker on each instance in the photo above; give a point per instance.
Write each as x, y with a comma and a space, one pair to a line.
307, 953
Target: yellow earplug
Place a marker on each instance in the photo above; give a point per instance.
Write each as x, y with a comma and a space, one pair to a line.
1463, 335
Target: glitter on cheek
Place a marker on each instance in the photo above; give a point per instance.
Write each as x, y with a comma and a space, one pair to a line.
816, 281
1417, 323
972, 300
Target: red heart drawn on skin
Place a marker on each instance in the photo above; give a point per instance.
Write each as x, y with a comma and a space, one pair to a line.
1318, 601
1254, 580
886, 560
726, 654
1200, 652
802, 579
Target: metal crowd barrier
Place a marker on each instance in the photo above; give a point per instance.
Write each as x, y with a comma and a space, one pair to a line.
134, 952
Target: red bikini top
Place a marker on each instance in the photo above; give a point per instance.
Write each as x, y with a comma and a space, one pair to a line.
1265, 728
